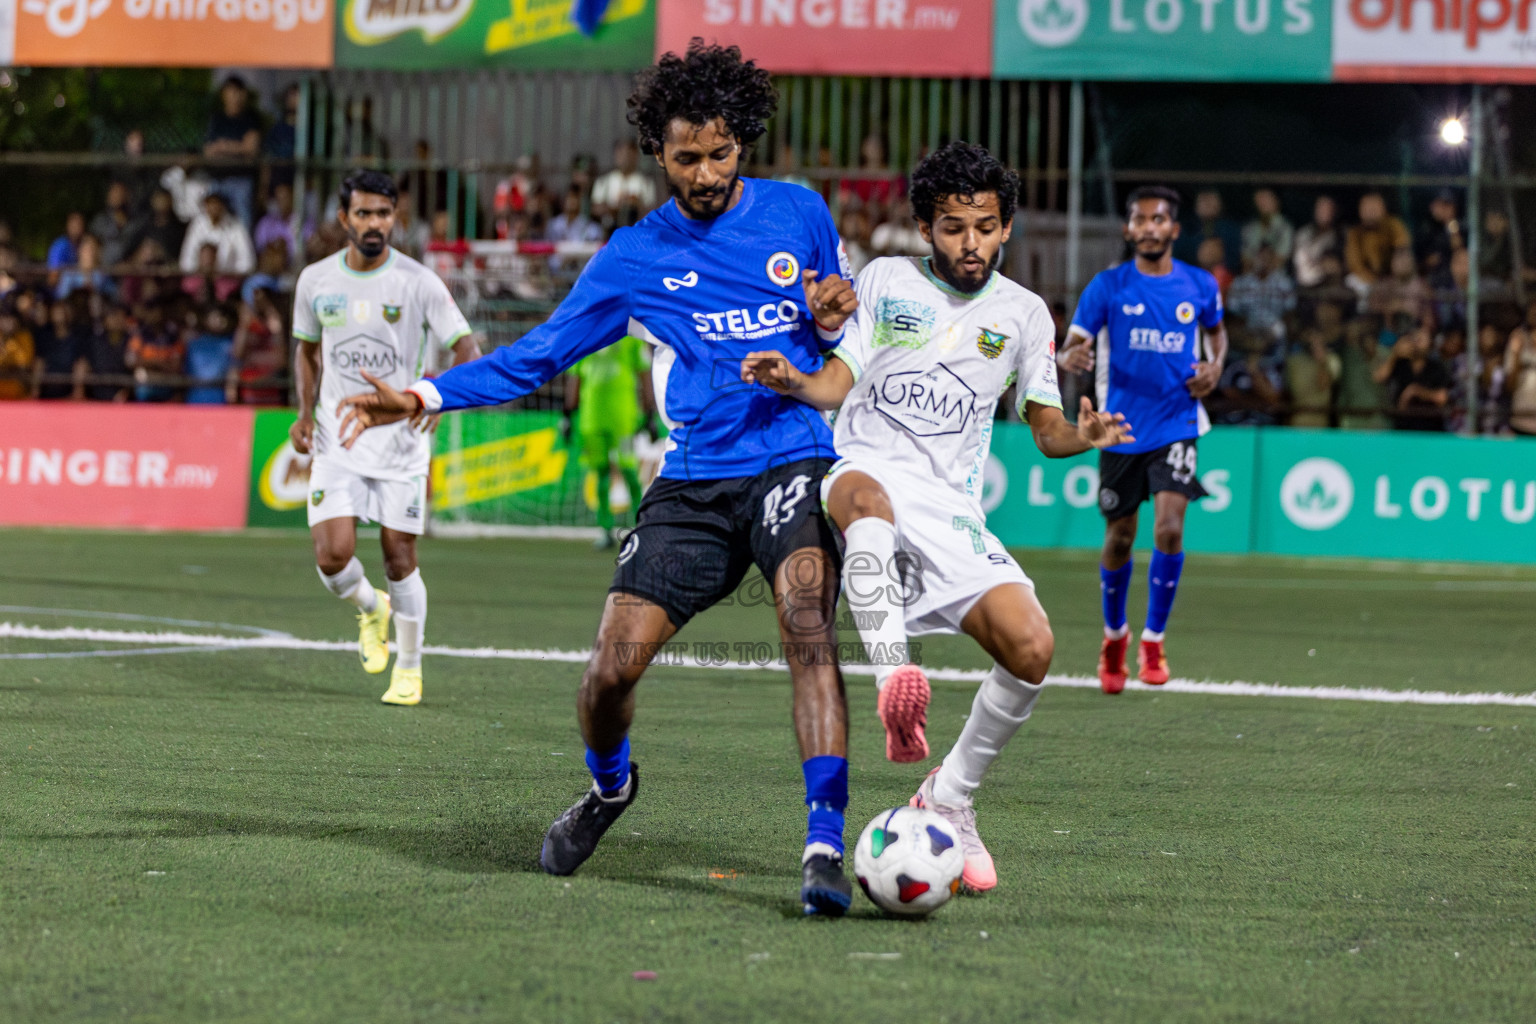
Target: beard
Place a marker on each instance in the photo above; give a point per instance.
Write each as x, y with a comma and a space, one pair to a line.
370, 243
707, 204
1152, 249
963, 281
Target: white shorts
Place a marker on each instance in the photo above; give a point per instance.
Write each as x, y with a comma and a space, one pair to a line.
956, 559
336, 493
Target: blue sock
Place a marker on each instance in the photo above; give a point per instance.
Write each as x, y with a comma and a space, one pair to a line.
826, 794
610, 768
1114, 587
1162, 584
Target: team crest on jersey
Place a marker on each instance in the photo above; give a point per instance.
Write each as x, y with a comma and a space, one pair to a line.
316, 497
1185, 312
331, 310
391, 314
990, 343
902, 323
360, 310
783, 269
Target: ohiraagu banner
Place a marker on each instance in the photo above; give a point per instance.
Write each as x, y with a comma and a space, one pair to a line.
840, 37
1179, 40
1429, 40
172, 33
528, 35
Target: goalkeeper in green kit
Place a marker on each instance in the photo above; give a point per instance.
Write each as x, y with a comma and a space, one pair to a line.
606, 391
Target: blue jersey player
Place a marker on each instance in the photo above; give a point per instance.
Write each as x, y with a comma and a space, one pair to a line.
1151, 328
728, 266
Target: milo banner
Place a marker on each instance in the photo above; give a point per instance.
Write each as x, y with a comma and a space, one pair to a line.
1036, 502
279, 475
528, 35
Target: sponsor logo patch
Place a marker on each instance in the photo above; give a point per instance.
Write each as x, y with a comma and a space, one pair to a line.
783, 269
331, 310
902, 323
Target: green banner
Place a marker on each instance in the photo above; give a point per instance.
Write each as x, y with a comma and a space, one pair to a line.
279, 475
1033, 501
528, 35
1164, 40
1396, 495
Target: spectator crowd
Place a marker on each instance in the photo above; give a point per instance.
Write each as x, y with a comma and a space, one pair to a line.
1364, 324
178, 288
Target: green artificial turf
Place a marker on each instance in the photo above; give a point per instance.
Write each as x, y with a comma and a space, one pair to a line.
251, 836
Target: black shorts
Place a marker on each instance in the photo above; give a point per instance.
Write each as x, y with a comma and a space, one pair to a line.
1126, 479
696, 539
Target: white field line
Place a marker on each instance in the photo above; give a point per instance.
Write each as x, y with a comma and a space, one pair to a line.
205, 641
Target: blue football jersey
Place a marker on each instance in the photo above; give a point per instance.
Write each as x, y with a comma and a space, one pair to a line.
704, 293
1148, 335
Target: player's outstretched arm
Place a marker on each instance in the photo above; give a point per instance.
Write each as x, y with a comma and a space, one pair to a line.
824, 389
384, 405
1058, 439
1208, 371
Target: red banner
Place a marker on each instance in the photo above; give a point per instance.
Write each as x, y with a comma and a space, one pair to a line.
162, 467
840, 37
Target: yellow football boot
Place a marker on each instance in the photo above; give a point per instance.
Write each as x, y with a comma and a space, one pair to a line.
373, 635
404, 686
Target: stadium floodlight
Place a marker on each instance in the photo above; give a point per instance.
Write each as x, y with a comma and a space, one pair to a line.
1453, 132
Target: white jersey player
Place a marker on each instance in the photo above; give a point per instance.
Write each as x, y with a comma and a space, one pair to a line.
364, 315
920, 368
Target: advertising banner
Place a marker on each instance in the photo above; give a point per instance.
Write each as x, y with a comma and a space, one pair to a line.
1177, 40
1396, 495
507, 467
173, 33
527, 35
157, 466
1442, 40
840, 37
1036, 502
279, 475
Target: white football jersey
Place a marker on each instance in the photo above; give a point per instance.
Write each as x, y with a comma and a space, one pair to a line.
384, 322
930, 364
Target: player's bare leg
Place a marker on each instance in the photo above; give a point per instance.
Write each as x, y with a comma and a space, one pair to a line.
335, 543
631, 631
1114, 581
1011, 626
805, 592
408, 603
860, 507
1162, 582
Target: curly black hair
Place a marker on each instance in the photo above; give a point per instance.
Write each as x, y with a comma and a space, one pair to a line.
962, 169
708, 82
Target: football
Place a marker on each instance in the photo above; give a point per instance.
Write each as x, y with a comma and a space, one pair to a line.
908, 861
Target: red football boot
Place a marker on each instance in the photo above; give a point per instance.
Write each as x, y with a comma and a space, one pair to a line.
1112, 664
1153, 663
903, 706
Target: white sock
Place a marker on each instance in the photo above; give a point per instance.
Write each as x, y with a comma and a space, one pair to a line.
351, 584
1147, 634
408, 601
1116, 634
1002, 704
874, 593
